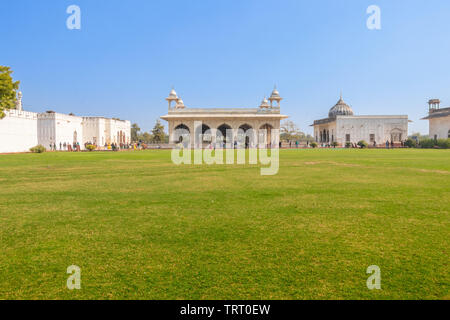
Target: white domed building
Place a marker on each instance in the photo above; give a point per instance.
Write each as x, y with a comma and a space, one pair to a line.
343, 126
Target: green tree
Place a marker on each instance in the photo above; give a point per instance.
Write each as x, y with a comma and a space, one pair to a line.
135, 132
158, 134
8, 90
145, 137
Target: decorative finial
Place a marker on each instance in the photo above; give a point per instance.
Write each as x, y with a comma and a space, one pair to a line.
19, 101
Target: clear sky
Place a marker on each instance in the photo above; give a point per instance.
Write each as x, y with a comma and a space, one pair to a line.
228, 53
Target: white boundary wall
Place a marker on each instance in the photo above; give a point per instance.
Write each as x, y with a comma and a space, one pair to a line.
18, 131
22, 130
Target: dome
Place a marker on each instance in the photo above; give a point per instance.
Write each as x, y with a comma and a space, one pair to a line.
173, 95
340, 109
265, 104
275, 93
180, 103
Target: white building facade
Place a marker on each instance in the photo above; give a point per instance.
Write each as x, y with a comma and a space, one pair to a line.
343, 126
438, 120
225, 127
21, 130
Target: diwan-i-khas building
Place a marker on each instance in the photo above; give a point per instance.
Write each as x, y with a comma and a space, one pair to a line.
343, 126
225, 127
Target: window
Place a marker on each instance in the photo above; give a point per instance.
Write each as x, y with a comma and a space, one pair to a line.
372, 138
449, 133
347, 138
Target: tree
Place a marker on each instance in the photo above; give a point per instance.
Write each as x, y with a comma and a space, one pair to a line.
8, 90
158, 134
362, 144
290, 131
145, 137
135, 132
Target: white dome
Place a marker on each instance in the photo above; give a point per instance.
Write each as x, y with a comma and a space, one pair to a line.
265, 104
180, 103
173, 95
340, 109
275, 93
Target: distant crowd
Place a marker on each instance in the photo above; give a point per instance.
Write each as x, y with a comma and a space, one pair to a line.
66, 146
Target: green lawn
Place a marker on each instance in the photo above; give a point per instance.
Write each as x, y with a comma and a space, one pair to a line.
142, 228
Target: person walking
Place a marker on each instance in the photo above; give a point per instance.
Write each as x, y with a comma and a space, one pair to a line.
296, 144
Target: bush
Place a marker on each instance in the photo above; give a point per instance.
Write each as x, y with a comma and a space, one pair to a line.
411, 143
443, 143
348, 144
334, 144
427, 143
38, 149
90, 147
313, 145
362, 144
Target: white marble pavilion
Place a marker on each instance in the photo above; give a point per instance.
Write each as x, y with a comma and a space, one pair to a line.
209, 126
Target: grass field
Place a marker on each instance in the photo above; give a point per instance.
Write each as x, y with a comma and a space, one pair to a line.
140, 227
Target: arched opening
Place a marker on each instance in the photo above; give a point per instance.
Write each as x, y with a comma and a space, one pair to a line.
448, 134
203, 133
266, 135
224, 135
244, 135
182, 133
396, 135
75, 137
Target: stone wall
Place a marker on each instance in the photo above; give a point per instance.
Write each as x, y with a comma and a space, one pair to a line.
18, 131
440, 127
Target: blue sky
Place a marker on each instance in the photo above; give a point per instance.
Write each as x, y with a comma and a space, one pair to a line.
217, 53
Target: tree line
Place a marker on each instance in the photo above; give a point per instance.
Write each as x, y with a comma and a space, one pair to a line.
157, 135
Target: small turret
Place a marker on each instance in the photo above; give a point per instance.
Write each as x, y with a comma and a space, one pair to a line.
19, 101
275, 96
434, 104
172, 97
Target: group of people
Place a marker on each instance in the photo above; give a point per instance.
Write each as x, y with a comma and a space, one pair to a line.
66, 146
392, 145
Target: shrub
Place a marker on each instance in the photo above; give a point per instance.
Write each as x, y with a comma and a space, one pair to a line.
443, 143
38, 149
411, 143
427, 143
313, 145
90, 147
334, 144
362, 144
348, 144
